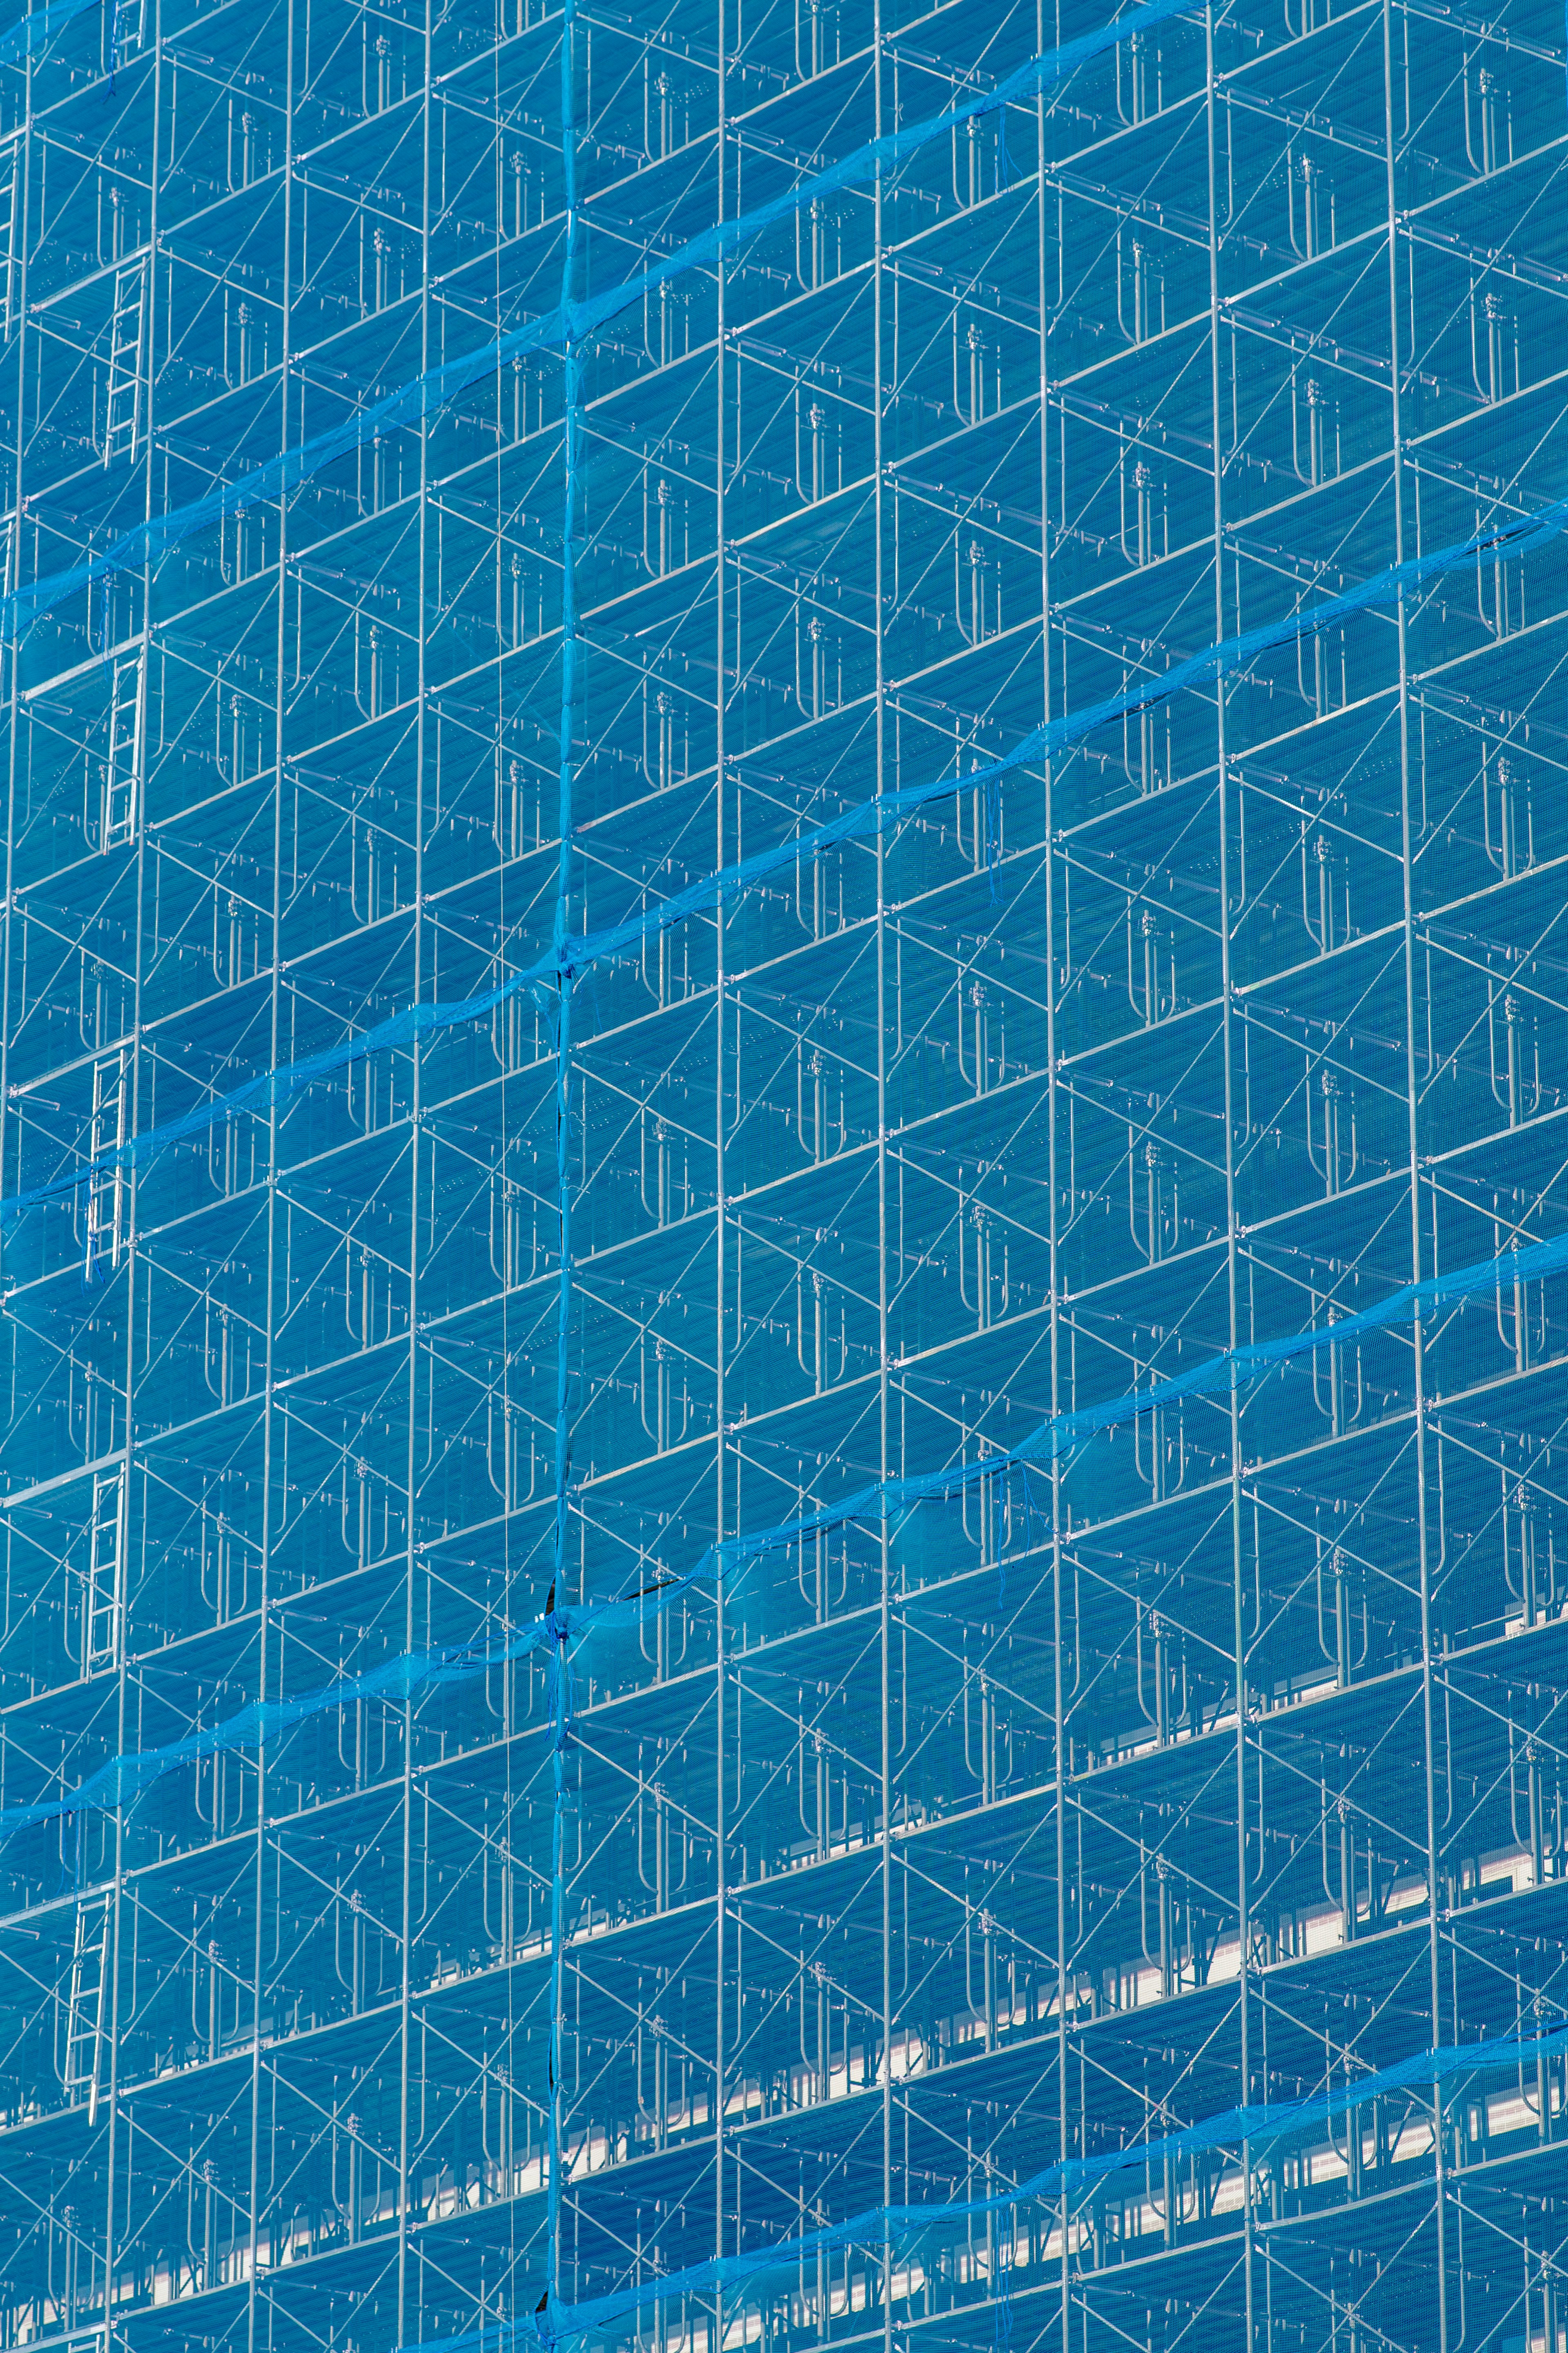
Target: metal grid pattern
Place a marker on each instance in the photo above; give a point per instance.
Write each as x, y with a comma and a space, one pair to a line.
771, 767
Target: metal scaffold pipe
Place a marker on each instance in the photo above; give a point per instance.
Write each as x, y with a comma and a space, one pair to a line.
785, 1251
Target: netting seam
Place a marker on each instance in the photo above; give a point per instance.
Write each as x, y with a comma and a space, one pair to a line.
879, 2228
570, 320
124, 1779
571, 955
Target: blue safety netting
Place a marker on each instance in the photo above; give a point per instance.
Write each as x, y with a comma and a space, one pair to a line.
124, 1779
554, 1636
882, 2229
20, 40
1230, 1370
1512, 537
568, 323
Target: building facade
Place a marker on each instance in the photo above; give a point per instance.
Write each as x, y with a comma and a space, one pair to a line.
785, 989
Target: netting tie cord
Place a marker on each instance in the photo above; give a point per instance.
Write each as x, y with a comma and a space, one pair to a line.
1060, 1435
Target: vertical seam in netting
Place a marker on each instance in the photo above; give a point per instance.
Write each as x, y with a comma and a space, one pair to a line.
556, 1605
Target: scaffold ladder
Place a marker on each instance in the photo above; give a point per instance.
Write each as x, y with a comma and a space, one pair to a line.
84, 2023
125, 29
124, 762
101, 1597
124, 405
10, 191
105, 1188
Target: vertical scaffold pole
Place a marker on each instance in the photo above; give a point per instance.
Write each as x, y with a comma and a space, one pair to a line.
560, 1665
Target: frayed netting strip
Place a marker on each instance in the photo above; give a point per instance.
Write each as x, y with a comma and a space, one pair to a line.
568, 323
404, 1679
1052, 740
886, 2230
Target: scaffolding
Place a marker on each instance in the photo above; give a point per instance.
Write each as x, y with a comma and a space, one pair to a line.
785, 1296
